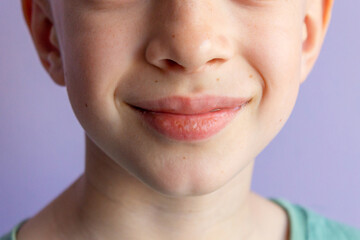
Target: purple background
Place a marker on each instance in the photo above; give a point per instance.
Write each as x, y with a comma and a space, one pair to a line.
314, 161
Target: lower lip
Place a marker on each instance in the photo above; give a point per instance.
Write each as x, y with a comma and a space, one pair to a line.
189, 127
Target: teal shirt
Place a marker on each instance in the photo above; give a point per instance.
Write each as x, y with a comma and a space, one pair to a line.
305, 224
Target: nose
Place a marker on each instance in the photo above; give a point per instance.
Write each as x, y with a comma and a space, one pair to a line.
188, 37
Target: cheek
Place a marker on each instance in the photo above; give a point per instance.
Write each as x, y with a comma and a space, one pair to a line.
99, 53
275, 53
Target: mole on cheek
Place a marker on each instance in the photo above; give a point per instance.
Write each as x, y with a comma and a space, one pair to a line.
173, 36
86, 105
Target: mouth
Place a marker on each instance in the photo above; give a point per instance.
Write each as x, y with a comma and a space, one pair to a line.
190, 106
189, 119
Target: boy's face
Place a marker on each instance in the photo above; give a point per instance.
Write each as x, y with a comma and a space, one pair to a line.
116, 53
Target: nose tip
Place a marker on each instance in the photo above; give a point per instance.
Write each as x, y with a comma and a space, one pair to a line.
189, 36
189, 53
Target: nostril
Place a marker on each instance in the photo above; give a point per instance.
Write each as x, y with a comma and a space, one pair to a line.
172, 65
170, 62
216, 60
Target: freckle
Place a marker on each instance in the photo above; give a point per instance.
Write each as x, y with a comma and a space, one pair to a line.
86, 105
281, 120
173, 36
218, 79
156, 81
184, 157
251, 76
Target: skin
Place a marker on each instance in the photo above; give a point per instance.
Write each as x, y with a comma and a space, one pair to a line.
138, 184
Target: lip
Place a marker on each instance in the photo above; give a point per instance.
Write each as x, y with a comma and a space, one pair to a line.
189, 119
190, 106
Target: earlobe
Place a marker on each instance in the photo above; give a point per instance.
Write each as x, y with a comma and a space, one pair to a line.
38, 18
54, 60
55, 68
315, 25
311, 33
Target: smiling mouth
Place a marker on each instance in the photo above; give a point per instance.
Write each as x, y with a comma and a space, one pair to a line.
183, 113
189, 119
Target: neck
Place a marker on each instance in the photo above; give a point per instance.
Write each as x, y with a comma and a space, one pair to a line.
109, 203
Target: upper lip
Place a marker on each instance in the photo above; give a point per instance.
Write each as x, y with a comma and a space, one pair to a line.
189, 106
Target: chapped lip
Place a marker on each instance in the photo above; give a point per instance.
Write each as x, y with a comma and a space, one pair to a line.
190, 105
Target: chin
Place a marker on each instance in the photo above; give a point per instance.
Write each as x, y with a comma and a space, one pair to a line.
177, 180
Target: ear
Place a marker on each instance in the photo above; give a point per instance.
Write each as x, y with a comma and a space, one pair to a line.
38, 17
315, 25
